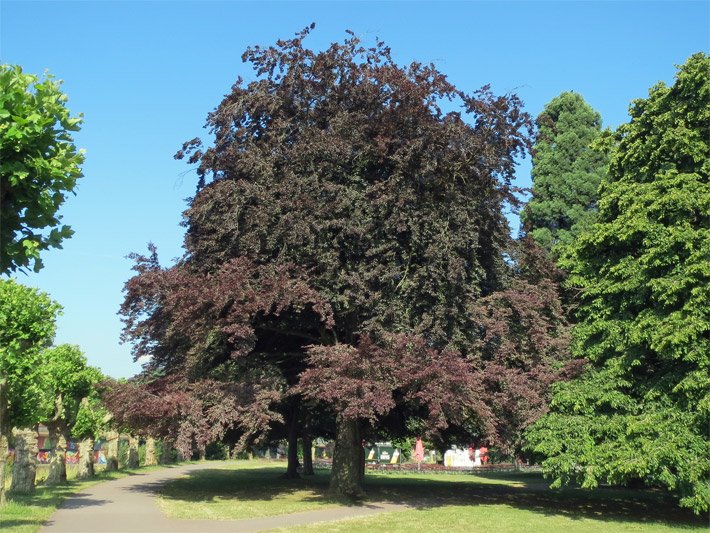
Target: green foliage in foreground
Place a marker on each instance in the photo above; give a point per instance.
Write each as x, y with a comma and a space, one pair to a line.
39, 166
642, 409
451, 502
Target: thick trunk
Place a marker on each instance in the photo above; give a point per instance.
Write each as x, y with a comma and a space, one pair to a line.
112, 451
203, 453
4, 450
307, 455
165, 457
57, 464
24, 470
292, 468
86, 459
133, 452
150, 457
348, 474
4, 444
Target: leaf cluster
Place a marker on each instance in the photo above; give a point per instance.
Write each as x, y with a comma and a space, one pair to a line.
39, 166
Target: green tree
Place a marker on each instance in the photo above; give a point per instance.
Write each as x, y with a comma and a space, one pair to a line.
27, 325
641, 411
39, 166
68, 379
91, 420
566, 172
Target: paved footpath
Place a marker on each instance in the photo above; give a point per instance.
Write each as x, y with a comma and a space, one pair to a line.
128, 505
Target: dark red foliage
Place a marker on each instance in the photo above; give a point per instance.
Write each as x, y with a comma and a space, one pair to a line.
192, 413
346, 243
524, 344
179, 318
367, 381
197, 329
343, 163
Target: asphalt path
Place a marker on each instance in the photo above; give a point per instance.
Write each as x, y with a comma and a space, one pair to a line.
128, 505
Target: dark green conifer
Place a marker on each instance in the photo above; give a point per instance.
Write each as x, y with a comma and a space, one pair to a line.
566, 172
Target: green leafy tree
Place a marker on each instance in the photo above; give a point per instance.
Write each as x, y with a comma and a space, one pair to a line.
641, 411
68, 379
39, 166
27, 325
91, 419
566, 172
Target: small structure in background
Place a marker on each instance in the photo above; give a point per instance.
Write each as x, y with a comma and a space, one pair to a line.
383, 453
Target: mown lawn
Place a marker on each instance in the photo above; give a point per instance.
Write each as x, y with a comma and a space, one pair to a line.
444, 502
243, 489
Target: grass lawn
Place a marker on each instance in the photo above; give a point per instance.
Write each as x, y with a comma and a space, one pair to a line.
448, 502
26, 513
243, 489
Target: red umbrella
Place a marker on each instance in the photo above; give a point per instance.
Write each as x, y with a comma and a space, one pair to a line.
419, 450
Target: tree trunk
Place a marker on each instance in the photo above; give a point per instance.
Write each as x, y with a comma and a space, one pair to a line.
86, 459
57, 464
150, 457
4, 450
348, 473
203, 453
112, 451
133, 452
307, 455
165, 457
292, 468
24, 471
4, 442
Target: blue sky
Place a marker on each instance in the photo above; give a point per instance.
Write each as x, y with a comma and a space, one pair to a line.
145, 74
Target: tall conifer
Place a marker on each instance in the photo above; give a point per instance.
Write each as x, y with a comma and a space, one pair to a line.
566, 172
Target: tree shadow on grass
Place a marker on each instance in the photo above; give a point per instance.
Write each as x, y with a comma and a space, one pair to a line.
18, 523
255, 485
517, 490
531, 493
53, 495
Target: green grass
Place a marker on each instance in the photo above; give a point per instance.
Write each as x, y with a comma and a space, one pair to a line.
486, 518
243, 490
25, 513
450, 502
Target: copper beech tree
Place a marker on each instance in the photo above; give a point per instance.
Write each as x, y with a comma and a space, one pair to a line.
344, 227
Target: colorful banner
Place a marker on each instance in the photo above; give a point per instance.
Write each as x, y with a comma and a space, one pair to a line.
72, 457
44, 456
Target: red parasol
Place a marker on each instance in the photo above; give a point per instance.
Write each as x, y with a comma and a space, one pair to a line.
419, 450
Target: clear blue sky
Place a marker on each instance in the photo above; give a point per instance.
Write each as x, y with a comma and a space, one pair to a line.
145, 74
